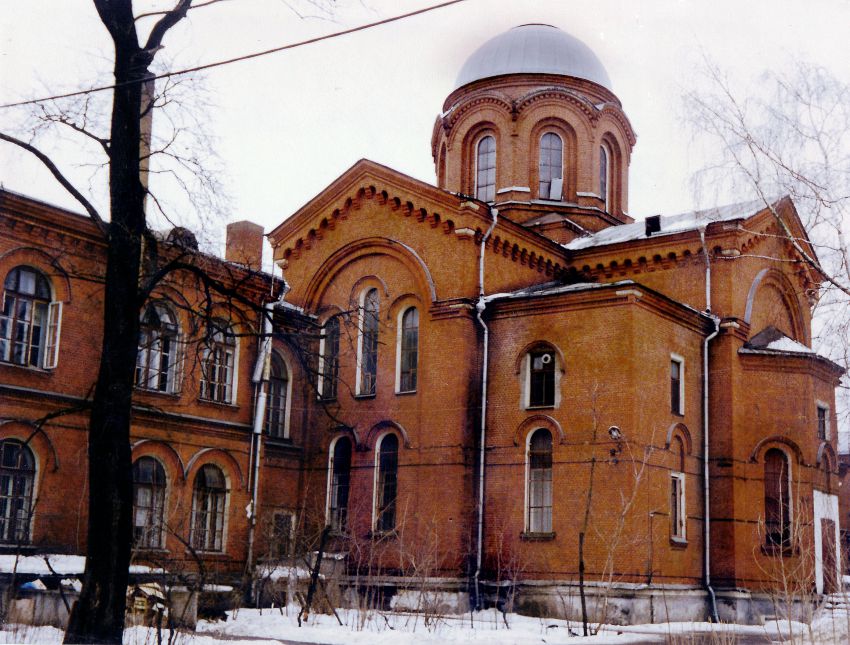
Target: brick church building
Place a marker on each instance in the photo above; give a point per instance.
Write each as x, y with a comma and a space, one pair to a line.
513, 389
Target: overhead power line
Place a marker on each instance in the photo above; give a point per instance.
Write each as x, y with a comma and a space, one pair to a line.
238, 59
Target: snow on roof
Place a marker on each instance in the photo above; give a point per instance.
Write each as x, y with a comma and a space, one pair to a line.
550, 288
786, 344
670, 224
773, 342
59, 563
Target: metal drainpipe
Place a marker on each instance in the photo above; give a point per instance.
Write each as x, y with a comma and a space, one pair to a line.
479, 309
705, 426
260, 378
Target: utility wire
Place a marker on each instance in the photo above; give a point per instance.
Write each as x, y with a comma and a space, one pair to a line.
238, 59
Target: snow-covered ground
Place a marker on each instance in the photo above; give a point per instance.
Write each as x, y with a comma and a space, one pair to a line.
256, 627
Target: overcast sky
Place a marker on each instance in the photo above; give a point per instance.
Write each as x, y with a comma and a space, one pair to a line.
289, 123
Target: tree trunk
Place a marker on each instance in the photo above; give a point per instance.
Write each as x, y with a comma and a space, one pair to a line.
98, 616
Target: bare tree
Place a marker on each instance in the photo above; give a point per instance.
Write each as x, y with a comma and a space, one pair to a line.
789, 136
133, 269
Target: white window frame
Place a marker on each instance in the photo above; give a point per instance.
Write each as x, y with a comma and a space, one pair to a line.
174, 360
330, 482
552, 180
232, 388
166, 490
398, 345
287, 407
487, 186
51, 334
605, 153
676, 358
527, 510
680, 532
358, 378
525, 379
376, 481
820, 405
320, 380
228, 494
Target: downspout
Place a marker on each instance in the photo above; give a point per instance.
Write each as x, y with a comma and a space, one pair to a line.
260, 379
479, 310
705, 427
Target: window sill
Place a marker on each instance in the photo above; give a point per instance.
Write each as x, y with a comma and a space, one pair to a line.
779, 550
145, 390
678, 542
145, 550
365, 396
383, 535
405, 392
220, 404
34, 369
528, 536
551, 406
278, 442
209, 555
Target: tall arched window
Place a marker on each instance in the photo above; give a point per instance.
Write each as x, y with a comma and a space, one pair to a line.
276, 403
605, 176
329, 351
156, 361
148, 503
485, 169
408, 350
219, 363
29, 321
17, 474
339, 481
539, 519
678, 521
386, 483
777, 498
551, 166
209, 504
368, 346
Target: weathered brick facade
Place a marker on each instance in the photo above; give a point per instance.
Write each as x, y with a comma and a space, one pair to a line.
595, 330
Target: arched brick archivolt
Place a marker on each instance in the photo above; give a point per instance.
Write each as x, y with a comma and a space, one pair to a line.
338, 261
772, 300
164, 453
221, 458
534, 422
381, 427
785, 444
826, 454
679, 430
539, 345
49, 265
47, 459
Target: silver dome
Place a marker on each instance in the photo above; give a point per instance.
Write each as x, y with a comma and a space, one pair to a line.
541, 49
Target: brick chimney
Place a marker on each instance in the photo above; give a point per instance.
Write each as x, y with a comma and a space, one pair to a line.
245, 244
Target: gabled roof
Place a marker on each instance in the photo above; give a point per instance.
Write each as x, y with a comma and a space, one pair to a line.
672, 224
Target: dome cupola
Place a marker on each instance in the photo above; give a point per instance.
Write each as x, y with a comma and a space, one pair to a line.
534, 128
533, 49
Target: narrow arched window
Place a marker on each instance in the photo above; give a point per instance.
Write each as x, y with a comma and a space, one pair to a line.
29, 321
386, 483
156, 360
148, 503
551, 166
541, 379
777, 498
219, 363
678, 518
209, 504
539, 519
277, 399
605, 176
17, 474
408, 356
485, 169
329, 351
369, 320
339, 481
